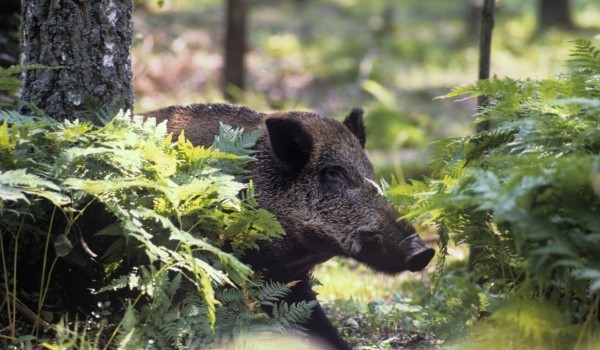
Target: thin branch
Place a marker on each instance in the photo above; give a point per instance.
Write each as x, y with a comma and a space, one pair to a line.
27, 312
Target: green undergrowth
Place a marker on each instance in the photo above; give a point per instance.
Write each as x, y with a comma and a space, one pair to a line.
371, 310
116, 236
525, 197
376, 311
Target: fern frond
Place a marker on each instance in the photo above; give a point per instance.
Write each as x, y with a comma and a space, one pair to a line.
293, 315
584, 56
15, 184
271, 292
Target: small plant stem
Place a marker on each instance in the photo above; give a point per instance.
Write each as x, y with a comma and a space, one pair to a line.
14, 292
589, 321
6, 285
45, 279
28, 313
200, 220
7, 337
71, 222
47, 286
44, 259
398, 169
137, 299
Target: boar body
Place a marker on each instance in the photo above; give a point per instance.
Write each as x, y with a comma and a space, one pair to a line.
313, 174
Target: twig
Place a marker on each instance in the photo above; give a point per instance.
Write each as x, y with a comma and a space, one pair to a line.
27, 312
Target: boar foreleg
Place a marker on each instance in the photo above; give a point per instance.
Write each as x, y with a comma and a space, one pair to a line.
319, 326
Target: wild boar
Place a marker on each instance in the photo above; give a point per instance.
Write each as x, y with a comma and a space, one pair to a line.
313, 174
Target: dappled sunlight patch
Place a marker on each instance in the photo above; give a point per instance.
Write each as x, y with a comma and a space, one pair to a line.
346, 279
527, 325
373, 310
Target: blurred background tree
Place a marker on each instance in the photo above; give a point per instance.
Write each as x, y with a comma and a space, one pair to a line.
9, 32
554, 13
10, 20
234, 67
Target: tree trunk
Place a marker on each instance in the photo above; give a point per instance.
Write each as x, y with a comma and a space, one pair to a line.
90, 40
485, 53
554, 13
235, 49
9, 39
472, 19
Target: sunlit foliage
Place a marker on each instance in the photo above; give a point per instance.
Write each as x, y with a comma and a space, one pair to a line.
163, 223
526, 194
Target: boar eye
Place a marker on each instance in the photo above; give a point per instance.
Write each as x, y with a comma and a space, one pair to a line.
333, 176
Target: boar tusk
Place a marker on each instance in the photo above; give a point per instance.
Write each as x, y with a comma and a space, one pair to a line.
377, 187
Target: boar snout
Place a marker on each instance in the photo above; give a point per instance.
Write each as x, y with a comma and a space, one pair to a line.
417, 254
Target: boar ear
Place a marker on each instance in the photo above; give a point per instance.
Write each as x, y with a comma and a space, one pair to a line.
290, 141
354, 122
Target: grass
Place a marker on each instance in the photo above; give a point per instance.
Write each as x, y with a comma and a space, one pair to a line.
372, 310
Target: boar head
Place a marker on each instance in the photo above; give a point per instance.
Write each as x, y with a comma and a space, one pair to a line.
314, 175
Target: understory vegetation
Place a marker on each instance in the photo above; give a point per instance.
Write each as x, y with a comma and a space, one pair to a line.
525, 198
112, 221
153, 227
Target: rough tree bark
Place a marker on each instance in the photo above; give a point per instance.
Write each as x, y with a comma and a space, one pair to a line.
234, 69
91, 40
554, 13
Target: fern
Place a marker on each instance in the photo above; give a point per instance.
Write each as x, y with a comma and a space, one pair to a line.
9, 77
15, 184
585, 56
270, 293
290, 314
236, 143
525, 193
171, 208
252, 227
129, 336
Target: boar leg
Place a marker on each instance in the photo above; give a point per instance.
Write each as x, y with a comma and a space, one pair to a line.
319, 325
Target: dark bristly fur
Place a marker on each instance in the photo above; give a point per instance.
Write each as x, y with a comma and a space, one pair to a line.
313, 174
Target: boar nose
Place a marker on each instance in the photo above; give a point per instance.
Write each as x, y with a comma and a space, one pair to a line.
418, 255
